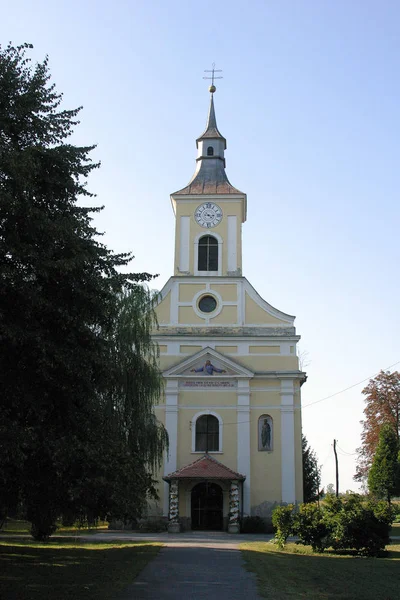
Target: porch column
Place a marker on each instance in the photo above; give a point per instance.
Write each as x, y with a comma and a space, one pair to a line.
171, 425
233, 526
173, 524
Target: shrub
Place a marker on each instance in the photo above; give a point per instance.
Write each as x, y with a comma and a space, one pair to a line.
310, 527
42, 528
345, 523
396, 510
253, 525
283, 521
153, 525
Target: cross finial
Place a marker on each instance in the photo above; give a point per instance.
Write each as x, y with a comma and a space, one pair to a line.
212, 87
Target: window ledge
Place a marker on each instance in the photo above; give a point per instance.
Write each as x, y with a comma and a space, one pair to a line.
209, 452
207, 273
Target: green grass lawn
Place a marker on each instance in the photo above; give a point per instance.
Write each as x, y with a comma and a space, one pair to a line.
18, 527
298, 573
68, 569
395, 529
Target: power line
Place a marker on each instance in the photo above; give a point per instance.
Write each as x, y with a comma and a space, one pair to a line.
350, 386
327, 456
322, 400
347, 453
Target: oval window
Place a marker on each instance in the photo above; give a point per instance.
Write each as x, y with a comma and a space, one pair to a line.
207, 304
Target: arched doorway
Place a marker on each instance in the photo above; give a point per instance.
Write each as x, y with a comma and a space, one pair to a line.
207, 506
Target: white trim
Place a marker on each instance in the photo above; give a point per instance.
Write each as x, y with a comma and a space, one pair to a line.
263, 407
173, 346
280, 375
287, 390
255, 296
243, 440
241, 341
209, 452
255, 326
193, 427
232, 243
174, 311
207, 316
173, 349
196, 252
184, 244
191, 199
246, 286
287, 442
266, 389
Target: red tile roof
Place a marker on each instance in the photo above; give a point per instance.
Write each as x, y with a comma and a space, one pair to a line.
205, 467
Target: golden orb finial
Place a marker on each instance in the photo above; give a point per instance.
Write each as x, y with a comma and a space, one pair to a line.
212, 87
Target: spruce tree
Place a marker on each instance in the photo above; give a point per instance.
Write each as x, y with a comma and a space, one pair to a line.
60, 305
384, 475
311, 472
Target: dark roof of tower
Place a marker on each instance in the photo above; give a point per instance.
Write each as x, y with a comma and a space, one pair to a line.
210, 179
210, 176
211, 130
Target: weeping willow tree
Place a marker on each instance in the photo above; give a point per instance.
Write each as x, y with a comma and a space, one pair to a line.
139, 438
126, 442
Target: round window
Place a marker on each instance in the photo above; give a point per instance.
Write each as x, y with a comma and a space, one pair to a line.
207, 304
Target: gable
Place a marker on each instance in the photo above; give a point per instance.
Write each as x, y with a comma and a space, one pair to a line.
237, 305
258, 312
195, 366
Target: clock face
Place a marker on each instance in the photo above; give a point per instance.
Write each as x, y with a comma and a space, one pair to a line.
208, 214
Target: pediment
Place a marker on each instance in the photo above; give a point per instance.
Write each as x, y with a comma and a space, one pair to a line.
205, 467
196, 366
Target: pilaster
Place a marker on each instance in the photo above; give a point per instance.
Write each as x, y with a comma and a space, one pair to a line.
287, 441
243, 439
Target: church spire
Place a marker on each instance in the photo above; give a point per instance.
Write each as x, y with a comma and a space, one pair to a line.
211, 131
210, 176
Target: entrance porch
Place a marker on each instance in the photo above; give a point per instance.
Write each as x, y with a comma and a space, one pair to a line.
205, 496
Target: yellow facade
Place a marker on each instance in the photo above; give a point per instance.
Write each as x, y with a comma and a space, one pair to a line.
229, 362
233, 209
163, 310
227, 349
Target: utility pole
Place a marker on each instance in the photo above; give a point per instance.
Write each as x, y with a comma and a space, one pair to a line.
337, 469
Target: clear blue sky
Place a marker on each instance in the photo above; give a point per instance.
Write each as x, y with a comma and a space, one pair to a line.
309, 105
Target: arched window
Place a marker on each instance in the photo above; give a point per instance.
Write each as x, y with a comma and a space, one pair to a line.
208, 254
210, 151
265, 433
207, 434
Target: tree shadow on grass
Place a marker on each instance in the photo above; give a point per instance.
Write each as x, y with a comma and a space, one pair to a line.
328, 576
41, 572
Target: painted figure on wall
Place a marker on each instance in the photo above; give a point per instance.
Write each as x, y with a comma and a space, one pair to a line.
208, 368
265, 433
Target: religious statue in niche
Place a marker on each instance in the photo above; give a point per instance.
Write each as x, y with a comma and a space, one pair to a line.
208, 369
265, 433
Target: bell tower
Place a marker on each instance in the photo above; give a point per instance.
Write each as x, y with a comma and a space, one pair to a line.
209, 212
232, 404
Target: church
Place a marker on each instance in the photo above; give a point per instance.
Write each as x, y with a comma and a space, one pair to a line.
231, 403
